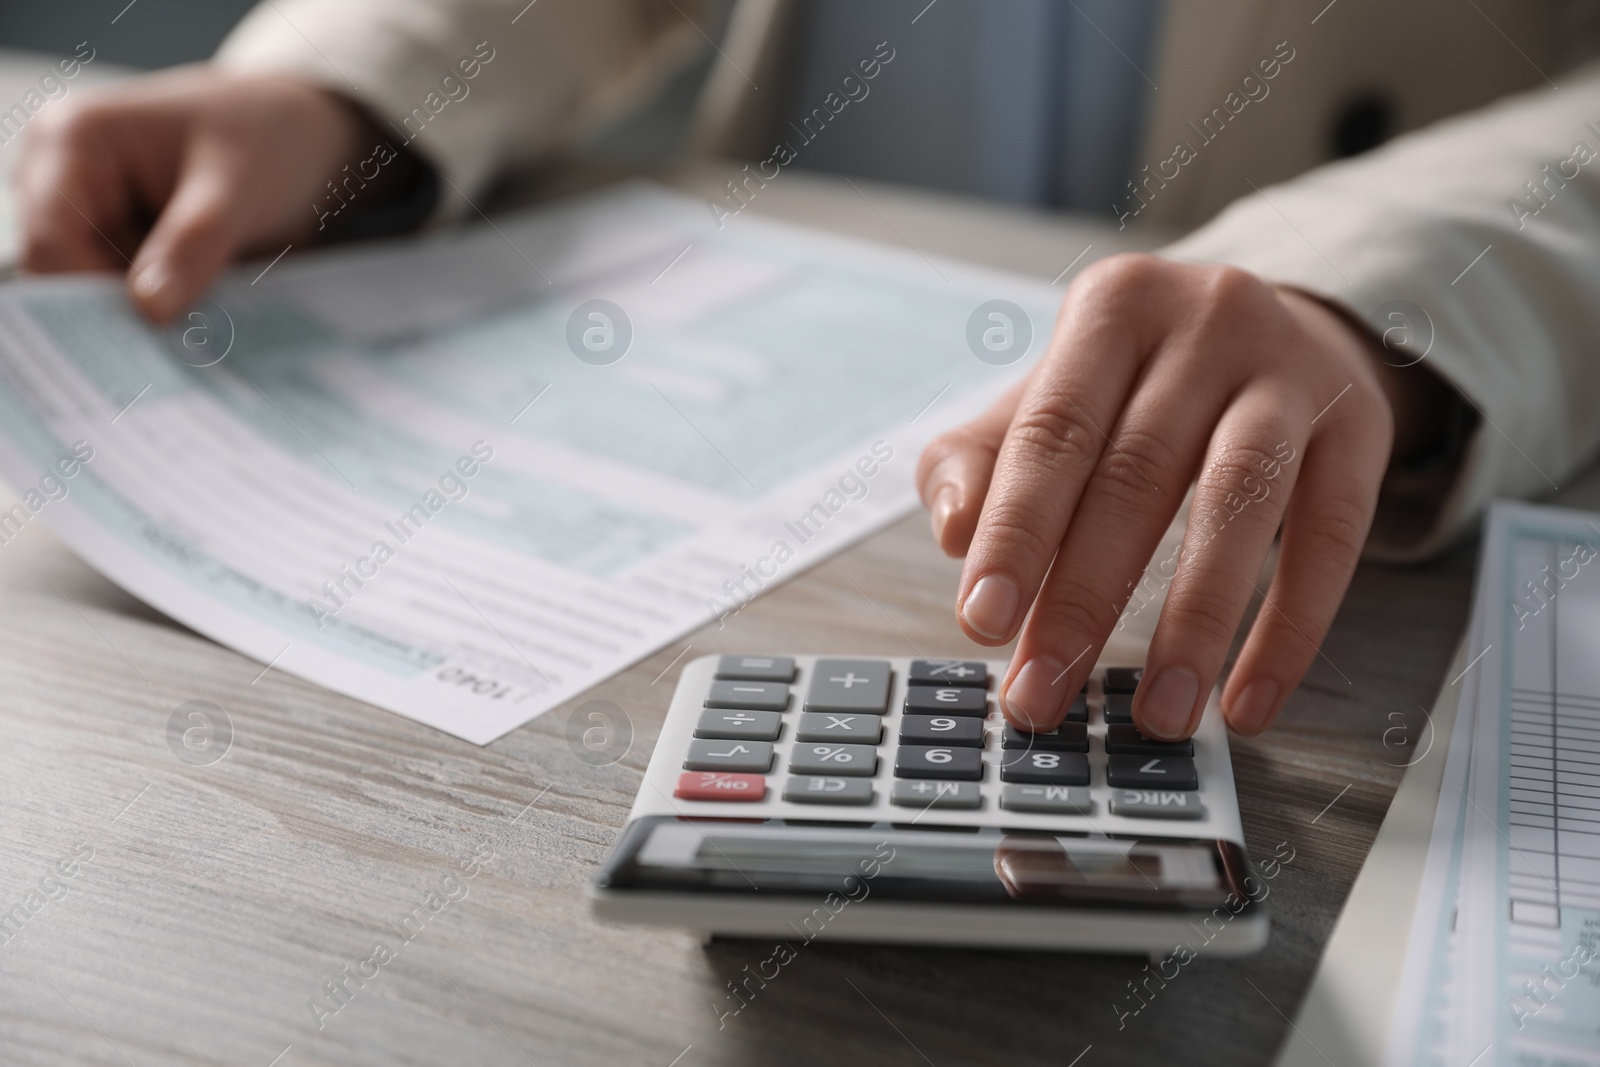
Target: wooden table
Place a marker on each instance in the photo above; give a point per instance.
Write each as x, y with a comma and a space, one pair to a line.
219, 898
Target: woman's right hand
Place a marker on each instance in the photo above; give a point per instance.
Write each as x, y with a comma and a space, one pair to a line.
173, 175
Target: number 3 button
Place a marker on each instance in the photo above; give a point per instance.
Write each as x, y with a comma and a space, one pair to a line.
928, 700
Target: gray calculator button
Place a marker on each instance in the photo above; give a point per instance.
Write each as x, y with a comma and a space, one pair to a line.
759, 696
949, 672
861, 729
729, 755
756, 668
755, 725
1032, 767
1047, 799
926, 794
1156, 772
1156, 804
1119, 709
1079, 711
946, 700
854, 761
938, 761
1068, 737
818, 789
941, 730
1128, 741
849, 685
1123, 679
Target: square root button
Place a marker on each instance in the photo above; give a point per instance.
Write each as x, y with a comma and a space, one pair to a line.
747, 756
849, 685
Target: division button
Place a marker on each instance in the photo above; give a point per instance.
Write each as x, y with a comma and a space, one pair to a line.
1128, 741
754, 756
1044, 768
961, 730
949, 672
951, 764
1047, 799
715, 785
946, 700
755, 725
758, 696
1161, 772
812, 789
1123, 679
849, 685
1068, 737
936, 795
854, 761
865, 729
756, 668
1156, 804
1119, 709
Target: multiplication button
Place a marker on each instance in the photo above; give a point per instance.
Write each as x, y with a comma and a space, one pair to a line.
753, 756
951, 764
756, 668
946, 700
849, 685
925, 794
827, 726
1047, 799
855, 761
818, 789
756, 696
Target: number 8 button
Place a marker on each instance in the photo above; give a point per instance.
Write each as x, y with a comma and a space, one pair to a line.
1045, 768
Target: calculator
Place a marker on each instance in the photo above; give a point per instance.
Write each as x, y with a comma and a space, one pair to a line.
882, 799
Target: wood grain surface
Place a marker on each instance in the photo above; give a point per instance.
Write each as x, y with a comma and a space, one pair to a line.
217, 900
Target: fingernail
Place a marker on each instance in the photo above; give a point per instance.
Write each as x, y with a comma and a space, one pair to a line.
1250, 712
991, 606
1165, 711
944, 505
1034, 697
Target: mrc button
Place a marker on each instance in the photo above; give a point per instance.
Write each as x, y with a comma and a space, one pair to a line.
1156, 804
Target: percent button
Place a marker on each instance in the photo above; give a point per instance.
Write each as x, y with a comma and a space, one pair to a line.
855, 761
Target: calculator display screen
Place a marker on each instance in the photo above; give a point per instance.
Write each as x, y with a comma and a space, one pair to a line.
991, 865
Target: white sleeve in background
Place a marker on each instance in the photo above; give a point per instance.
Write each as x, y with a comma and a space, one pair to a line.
545, 74
1518, 334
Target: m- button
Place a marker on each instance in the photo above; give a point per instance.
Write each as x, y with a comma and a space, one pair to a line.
849, 685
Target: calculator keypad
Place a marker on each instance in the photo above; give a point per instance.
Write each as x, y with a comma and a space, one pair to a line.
943, 735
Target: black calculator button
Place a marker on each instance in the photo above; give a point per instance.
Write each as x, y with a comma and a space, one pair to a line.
849, 685
831, 726
927, 794
946, 700
756, 668
753, 756
1158, 772
1068, 737
941, 730
973, 673
1079, 711
1128, 741
820, 789
1044, 768
850, 761
1123, 679
1119, 709
756, 696
1157, 804
1048, 799
755, 725
938, 761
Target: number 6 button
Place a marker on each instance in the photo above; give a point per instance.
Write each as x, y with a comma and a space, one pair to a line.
950, 764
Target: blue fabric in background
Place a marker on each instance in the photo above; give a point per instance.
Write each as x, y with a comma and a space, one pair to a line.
1030, 101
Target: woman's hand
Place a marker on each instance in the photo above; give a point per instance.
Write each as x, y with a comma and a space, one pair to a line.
1161, 374
175, 174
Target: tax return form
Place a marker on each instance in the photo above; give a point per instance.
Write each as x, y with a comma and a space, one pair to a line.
404, 471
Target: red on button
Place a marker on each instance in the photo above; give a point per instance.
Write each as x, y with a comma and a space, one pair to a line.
718, 785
